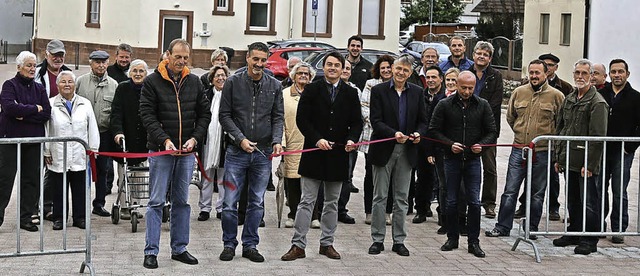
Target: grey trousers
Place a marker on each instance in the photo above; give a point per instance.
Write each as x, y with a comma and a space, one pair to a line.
329, 218
489, 178
398, 166
206, 192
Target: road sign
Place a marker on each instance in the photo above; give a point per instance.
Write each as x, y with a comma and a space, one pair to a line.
314, 5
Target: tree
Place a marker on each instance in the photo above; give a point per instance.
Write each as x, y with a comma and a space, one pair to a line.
444, 11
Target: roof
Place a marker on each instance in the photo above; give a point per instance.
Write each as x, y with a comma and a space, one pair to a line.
500, 6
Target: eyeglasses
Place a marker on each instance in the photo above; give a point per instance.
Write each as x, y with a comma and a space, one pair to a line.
551, 64
302, 73
581, 73
483, 54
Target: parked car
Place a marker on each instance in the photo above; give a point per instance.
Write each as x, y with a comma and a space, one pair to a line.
405, 37
299, 43
316, 58
415, 49
277, 61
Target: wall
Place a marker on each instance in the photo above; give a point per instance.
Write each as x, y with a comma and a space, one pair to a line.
136, 23
567, 54
614, 37
16, 29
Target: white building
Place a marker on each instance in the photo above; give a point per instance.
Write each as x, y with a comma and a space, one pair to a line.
149, 25
599, 30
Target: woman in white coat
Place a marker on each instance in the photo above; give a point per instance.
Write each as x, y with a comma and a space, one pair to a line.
71, 116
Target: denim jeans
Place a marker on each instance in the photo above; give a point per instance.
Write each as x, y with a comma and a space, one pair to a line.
458, 170
516, 173
612, 174
174, 173
240, 165
575, 194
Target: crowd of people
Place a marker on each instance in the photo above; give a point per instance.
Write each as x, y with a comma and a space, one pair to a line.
236, 121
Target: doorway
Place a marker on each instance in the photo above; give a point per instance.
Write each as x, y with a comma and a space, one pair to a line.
174, 24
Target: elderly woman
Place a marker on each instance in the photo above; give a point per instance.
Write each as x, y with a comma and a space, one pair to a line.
380, 72
218, 57
301, 74
25, 110
451, 81
212, 152
71, 115
125, 123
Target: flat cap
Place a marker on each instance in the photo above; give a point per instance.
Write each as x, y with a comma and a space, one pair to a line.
549, 56
55, 46
99, 54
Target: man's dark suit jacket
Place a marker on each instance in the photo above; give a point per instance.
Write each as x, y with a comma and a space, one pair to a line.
319, 118
384, 120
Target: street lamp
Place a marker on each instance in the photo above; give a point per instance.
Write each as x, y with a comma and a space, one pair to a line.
430, 20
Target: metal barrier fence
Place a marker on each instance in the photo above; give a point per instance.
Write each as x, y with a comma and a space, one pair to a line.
582, 141
41, 250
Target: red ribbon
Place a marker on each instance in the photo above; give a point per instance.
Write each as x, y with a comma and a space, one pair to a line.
531, 145
94, 173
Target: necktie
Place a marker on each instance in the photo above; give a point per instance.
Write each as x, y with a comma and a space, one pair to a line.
333, 93
68, 105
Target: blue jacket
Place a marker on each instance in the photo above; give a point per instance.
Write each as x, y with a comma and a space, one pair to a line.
19, 116
464, 64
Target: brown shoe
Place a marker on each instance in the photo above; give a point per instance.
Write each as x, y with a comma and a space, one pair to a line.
293, 254
330, 252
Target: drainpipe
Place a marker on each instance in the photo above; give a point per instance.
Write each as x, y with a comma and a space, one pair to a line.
587, 20
290, 33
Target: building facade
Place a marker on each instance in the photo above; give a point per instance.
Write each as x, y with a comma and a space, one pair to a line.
149, 25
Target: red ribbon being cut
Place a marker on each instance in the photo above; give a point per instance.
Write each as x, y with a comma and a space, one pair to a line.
92, 158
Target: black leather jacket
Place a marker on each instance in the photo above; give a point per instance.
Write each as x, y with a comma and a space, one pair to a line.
254, 113
453, 122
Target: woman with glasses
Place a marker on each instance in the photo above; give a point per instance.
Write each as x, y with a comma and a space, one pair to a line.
212, 152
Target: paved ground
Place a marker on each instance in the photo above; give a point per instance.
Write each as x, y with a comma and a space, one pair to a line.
117, 251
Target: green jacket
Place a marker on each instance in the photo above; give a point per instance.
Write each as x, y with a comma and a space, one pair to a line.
582, 117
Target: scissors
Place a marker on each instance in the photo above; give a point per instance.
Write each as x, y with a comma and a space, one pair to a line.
258, 149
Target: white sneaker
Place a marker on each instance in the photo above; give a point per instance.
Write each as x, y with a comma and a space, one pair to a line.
367, 219
387, 218
289, 223
315, 224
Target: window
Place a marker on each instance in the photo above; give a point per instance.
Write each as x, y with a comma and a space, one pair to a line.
370, 25
223, 7
93, 14
261, 15
565, 32
324, 19
544, 28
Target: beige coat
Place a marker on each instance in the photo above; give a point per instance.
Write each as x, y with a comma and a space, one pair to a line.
292, 138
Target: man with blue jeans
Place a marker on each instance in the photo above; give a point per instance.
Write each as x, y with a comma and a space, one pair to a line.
252, 114
175, 111
463, 123
531, 112
624, 120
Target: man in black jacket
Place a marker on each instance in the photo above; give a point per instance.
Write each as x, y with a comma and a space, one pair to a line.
329, 117
489, 87
397, 110
252, 114
624, 120
463, 123
118, 70
360, 66
176, 114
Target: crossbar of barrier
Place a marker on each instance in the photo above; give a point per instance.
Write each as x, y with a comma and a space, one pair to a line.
581, 140
41, 248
